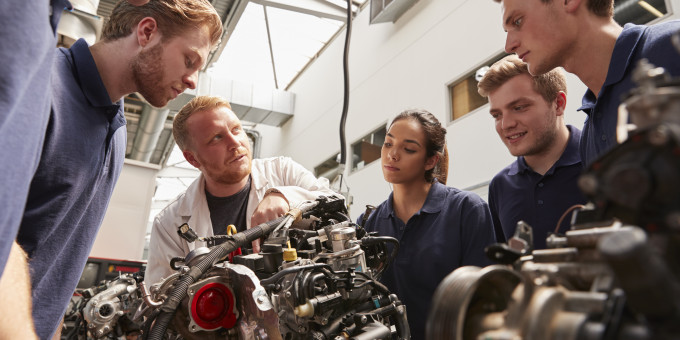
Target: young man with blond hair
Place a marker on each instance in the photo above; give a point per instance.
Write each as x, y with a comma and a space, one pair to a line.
582, 37
540, 185
233, 188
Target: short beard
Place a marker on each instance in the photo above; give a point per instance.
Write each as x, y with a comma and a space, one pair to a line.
231, 177
147, 71
546, 139
234, 177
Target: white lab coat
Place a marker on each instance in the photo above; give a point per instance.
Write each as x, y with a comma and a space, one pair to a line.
283, 174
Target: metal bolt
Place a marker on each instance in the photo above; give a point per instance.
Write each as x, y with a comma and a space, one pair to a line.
90, 325
364, 319
260, 299
288, 294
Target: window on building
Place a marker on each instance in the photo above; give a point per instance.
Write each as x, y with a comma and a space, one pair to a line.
367, 149
329, 168
638, 12
463, 91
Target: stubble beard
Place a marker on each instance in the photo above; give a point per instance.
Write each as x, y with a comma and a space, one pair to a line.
233, 176
545, 139
147, 71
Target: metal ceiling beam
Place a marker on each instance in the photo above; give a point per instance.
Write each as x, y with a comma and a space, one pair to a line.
271, 49
318, 8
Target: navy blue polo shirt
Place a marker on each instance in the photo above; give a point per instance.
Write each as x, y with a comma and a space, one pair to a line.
82, 157
635, 42
27, 41
517, 193
451, 230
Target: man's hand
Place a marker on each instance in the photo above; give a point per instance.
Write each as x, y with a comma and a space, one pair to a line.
273, 205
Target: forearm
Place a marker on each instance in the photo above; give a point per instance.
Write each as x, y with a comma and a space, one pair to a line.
15, 291
299, 184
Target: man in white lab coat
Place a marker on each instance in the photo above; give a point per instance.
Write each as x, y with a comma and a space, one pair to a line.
233, 188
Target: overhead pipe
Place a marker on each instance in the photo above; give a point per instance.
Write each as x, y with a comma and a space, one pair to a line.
150, 127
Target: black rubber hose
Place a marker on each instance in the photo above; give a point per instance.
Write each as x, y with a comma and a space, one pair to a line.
372, 331
309, 283
298, 287
277, 276
345, 102
383, 239
345, 69
379, 286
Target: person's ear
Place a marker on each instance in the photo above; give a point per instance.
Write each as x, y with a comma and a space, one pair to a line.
189, 156
147, 30
572, 5
560, 103
431, 162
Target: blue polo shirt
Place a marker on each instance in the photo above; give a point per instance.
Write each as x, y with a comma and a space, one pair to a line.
27, 41
517, 193
82, 157
635, 42
451, 230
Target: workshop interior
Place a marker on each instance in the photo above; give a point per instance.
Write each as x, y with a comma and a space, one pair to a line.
319, 81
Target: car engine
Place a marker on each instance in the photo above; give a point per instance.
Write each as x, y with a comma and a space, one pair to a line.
105, 311
316, 277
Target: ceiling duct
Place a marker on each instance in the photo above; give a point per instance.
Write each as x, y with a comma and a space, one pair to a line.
252, 103
151, 124
389, 10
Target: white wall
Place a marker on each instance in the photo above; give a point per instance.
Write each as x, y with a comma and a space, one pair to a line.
123, 230
398, 66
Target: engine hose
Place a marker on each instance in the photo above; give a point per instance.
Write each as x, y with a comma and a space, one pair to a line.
331, 274
369, 306
379, 286
402, 326
373, 330
277, 276
179, 291
307, 286
149, 321
334, 326
398, 311
383, 239
298, 287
